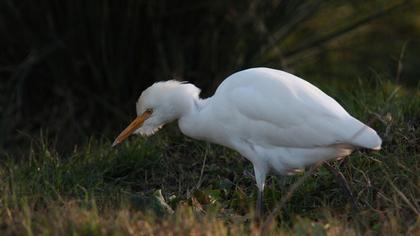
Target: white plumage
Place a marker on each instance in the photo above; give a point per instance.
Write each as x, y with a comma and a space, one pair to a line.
276, 120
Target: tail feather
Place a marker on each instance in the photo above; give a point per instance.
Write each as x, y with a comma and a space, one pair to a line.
365, 137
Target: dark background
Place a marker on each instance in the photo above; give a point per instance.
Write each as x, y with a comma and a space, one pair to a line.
73, 69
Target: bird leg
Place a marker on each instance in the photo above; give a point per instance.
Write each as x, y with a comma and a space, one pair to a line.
260, 174
339, 177
259, 208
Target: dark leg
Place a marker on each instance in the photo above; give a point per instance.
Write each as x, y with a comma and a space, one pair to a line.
260, 174
339, 177
259, 209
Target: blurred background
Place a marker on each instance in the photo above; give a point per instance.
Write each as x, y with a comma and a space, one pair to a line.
73, 69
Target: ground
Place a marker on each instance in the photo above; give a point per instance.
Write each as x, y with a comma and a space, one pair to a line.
170, 184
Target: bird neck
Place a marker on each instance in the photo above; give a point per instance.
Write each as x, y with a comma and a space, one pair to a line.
192, 120
192, 107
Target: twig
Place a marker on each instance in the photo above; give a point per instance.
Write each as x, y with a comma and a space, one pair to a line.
403, 197
400, 64
202, 171
326, 38
286, 198
345, 185
285, 29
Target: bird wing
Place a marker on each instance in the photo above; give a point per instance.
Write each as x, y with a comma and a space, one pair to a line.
279, 109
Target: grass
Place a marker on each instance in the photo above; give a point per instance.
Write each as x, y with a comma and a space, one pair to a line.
172, 185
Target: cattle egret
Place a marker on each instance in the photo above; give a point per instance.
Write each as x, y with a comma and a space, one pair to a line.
276, 120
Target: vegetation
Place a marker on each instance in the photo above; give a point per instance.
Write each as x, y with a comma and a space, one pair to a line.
133, 189
72, 63
71, 71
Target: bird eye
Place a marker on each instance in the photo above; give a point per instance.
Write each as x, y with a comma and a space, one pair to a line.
149, 110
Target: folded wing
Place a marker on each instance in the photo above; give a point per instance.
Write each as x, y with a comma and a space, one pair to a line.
280, 109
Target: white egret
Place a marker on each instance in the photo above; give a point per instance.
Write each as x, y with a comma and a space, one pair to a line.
276, 120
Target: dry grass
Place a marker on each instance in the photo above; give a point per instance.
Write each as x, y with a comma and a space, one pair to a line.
95, 190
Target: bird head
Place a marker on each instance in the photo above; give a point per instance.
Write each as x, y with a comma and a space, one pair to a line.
159, 104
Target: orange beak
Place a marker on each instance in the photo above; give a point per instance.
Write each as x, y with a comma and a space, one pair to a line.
133, 126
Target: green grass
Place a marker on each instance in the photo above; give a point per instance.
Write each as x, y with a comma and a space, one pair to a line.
132, 190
